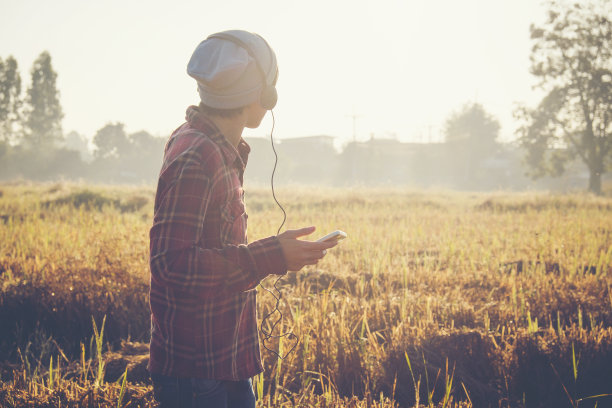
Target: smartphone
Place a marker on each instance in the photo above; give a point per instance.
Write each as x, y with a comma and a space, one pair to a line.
333, 236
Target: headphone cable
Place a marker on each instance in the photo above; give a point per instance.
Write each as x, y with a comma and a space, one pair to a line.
267, 334
272, 177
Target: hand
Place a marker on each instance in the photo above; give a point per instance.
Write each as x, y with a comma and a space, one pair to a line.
299, 253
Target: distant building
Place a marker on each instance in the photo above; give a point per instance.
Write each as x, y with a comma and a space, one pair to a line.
313, 160
309, 160
301, 160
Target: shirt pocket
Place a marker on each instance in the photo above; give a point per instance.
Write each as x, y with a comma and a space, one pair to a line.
233, 222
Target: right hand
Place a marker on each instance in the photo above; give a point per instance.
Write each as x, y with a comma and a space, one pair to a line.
299, 253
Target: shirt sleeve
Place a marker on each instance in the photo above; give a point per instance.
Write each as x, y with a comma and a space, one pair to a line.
176, 259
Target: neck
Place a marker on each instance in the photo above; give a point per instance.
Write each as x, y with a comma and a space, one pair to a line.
231, 128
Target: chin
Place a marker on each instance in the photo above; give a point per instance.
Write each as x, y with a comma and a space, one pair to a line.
254, 125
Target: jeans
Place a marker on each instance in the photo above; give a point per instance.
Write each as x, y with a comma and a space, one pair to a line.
175, 392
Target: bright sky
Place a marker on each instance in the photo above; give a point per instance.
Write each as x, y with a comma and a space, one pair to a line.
403, 66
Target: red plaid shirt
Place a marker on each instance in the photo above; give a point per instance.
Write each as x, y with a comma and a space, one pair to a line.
203, 275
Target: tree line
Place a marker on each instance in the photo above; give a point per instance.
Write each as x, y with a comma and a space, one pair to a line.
33, 145
571, 60
34, 121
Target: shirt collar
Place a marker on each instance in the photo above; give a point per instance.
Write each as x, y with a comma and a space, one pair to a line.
238, 156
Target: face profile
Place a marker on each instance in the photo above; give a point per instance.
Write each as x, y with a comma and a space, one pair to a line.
256, 113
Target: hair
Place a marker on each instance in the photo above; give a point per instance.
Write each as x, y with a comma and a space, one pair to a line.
223, 113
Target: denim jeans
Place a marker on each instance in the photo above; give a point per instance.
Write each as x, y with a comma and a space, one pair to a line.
175, 392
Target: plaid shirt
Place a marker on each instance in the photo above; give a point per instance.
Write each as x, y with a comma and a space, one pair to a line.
203, 275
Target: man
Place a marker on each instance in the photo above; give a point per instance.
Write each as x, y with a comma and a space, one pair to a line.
204, 340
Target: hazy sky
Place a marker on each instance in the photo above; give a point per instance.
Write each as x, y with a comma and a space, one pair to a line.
404, 66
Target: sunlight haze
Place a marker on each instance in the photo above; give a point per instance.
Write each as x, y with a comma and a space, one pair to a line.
401, 67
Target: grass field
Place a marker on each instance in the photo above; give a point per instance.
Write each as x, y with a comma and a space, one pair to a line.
435, 299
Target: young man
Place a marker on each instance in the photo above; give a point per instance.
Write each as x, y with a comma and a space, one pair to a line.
204, 340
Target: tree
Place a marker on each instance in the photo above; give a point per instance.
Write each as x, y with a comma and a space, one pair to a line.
111, 141
471, 138
78, 142
10, 99
144, 144
145, 156
473, 126
572, 59
43, 113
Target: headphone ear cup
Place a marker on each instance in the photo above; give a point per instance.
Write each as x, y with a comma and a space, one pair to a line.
268, 98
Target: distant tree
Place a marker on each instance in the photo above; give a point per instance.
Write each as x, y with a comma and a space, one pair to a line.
473, 127
119, 157
145, 155
10, 99
111, 141
572, 59
43, 112
471, 137
3, 152
143, 143
78, 142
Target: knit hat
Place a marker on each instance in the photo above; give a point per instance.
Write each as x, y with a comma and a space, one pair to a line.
227, 76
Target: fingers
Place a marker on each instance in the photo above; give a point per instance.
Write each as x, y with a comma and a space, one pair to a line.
299, 253
303, 257
318, 246
330, 244
314, 256
314, 259
298, 232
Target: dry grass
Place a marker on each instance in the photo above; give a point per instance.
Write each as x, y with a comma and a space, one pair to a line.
493, 299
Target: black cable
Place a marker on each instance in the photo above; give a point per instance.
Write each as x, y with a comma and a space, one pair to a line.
267, 334
272, 176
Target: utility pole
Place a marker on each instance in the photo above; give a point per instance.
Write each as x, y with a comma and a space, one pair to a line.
354, 117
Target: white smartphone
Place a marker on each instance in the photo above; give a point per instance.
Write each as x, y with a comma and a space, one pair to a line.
333, 236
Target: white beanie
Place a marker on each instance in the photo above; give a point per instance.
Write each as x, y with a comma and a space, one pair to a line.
227, 76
